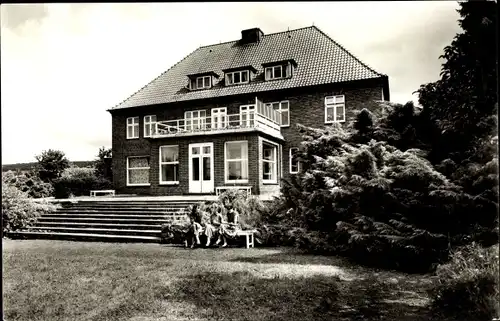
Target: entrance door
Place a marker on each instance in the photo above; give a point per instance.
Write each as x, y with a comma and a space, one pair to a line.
201, 168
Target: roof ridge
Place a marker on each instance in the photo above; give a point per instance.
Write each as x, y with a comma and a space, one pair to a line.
123, 101
265, 35
348, 52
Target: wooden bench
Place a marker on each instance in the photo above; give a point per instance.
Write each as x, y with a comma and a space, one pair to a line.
249, 238
248, 189
104, 191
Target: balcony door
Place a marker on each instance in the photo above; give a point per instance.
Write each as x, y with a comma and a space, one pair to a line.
195, 120
219, 118
201, 168
247, 115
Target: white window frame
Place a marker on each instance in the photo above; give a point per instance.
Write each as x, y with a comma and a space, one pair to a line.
333, 102
167, 163
273, 76
201, 119
216, 114
226, 167
280, 109
128, 168
149, 121
230, 75
134, 125
275, 168
203, 81
291, 158
247, 110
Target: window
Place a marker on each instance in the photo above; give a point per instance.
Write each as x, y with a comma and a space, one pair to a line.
137, 171
132, 127
278, 72
237, 77
219, 117
269, 168
149, 125
294, 162
247, 115
236, 162
169, 164
284, 108
201, 82
334, 109
195, 119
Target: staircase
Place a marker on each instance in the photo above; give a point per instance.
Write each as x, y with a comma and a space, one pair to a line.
106, 221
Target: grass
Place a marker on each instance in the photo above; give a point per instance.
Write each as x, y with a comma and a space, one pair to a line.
57, 280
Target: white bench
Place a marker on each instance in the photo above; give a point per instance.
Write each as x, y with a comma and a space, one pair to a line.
104, 191
248, 189
249, 238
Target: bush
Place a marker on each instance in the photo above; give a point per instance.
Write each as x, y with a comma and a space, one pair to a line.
468, 285
28, 182
76, 181
19, 210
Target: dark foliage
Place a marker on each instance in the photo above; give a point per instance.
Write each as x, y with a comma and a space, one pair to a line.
468, 285
51, 164
77, 181
103, 164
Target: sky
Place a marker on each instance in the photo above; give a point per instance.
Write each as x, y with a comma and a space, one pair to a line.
64, 65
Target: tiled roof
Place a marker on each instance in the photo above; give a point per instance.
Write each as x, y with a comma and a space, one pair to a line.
320, 60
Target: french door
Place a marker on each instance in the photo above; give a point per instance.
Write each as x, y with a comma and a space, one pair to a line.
201, 168
219, 118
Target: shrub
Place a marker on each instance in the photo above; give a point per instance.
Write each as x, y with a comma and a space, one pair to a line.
19, 210
76, 181
28, 182
468, 285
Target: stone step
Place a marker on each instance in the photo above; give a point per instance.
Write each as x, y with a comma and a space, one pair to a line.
105, 220
118, 210
108, 215
122, 226
87, 230
128, 204
83, 237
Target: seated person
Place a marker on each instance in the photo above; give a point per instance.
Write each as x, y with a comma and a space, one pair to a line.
230, 227
196, 227
213, 227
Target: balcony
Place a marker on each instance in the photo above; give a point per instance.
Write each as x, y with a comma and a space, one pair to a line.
264, 119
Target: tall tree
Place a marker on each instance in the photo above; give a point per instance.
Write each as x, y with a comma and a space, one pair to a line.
51, 164
103, 163
463, 104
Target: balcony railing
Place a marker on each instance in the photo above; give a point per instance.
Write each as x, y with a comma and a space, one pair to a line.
267, 121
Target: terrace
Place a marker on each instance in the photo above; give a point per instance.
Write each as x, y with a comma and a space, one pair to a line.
256, 117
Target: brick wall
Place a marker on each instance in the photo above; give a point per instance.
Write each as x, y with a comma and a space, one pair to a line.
306, 108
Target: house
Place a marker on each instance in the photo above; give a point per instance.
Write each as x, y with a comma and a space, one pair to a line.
225, 115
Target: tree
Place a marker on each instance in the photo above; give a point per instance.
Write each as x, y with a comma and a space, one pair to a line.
103, 164
462, 105
51, 164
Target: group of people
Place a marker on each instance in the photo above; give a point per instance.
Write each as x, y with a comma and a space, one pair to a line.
214, 225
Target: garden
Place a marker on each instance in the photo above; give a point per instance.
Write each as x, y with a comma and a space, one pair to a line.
393, 215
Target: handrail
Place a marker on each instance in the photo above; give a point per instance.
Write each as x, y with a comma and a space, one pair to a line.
248, 119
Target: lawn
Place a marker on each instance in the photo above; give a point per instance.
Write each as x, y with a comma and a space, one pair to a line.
58, 280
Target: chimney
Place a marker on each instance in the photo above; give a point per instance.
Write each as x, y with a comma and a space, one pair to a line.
251, 35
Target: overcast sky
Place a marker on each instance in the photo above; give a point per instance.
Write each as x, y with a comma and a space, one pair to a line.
63, 65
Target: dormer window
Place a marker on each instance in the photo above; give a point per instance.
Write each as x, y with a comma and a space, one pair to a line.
279, 69
202, 80
275, 72
237, 77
